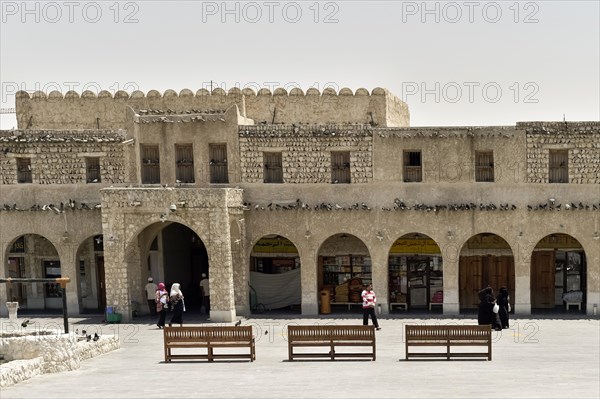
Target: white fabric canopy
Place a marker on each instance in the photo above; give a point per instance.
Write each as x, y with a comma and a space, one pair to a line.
277, 290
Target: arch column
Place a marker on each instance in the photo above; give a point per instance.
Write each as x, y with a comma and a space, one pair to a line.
3, 273
380, 274
308, 279
592, 252
450, 259
116, 268
522, 295
221, 281
67, 254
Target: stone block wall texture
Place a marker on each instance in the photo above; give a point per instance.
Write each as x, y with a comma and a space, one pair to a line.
30, 355
59, 157
306, 151
103, 111
581, 139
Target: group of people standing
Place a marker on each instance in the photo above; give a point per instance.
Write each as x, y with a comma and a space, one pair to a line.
160, 300
494, 310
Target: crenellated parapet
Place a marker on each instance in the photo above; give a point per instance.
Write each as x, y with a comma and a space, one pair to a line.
104, 110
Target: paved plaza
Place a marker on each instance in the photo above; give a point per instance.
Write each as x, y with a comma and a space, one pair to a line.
546, 357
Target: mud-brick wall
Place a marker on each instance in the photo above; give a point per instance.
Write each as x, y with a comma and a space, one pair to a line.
306, 151
59, 157
580, 139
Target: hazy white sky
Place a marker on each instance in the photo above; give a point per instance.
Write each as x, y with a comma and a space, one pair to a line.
454, 63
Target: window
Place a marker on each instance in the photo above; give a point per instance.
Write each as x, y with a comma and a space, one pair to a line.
150, 164
412, 166
340, 167
24, 170
558, 166
92, 170
184, 158
218, 163
273, 172
484, 166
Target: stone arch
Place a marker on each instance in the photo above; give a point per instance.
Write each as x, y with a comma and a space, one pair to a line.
32, 255
343, 266
274, 277
415, 273
486, 259
171, 251
558, 274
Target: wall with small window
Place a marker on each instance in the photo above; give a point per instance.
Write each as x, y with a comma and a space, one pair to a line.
62, 157
329, 154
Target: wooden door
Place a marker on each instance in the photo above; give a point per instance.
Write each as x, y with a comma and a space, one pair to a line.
499, 271
470, 281
101, 283
542, 279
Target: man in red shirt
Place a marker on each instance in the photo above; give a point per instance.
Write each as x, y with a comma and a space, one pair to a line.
369, 302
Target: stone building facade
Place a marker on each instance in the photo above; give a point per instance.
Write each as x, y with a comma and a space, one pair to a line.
110, 190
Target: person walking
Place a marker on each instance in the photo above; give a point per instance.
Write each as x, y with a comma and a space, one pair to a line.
369, 302
205, 292
151, 296
503, 301
488, 310
162, 301
177, 305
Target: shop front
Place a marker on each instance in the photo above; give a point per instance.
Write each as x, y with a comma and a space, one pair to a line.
415, 276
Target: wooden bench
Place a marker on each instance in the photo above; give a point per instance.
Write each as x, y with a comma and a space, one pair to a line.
331, 337
209, 338
448, 336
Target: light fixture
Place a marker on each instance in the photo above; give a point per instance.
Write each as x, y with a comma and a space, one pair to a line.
596, 236
98, 240
520, 235
307, 234
163, 217
450, 234
173, 207
552, 200
65, 236
379, 235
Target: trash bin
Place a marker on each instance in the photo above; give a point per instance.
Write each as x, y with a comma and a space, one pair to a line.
325, 302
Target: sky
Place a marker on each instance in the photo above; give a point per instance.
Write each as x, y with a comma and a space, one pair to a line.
462, 63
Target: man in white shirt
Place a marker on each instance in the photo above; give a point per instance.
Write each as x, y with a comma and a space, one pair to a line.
205, 291
150, 295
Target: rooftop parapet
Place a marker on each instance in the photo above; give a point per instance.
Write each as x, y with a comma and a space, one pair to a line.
90, 111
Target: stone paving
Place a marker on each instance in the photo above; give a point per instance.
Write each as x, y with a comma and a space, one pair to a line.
538, 357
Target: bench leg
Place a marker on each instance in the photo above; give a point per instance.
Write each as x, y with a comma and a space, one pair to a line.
332, 351
210, 353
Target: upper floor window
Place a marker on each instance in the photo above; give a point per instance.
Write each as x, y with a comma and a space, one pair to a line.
184, 159
484, 166
24, 170
412, 166
150, 164
558, 166
218, 163
92, 170
340, 167
273, 172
